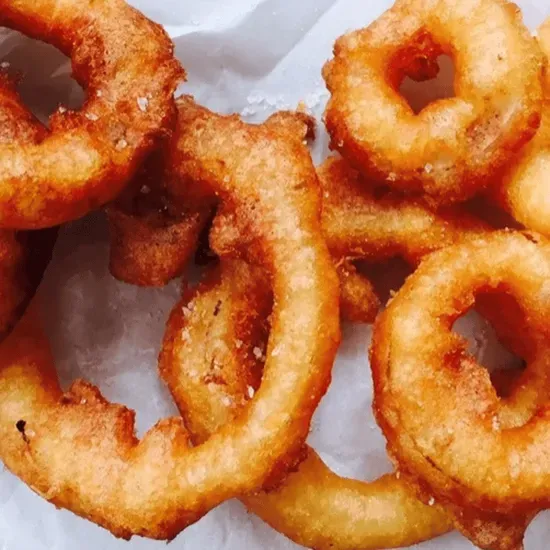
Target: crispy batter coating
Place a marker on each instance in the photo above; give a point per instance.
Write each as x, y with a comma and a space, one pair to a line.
213, 374
453, 147
152, 242
80, 452
23, 255
525, 190
126, 64
480, 456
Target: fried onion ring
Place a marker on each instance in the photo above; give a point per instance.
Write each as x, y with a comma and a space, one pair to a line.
80, 452
214, 372
23, 255
446, 427
127, 65
453, 147
525, 190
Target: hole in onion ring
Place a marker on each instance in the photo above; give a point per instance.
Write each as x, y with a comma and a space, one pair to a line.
43, 72
498, 338
421, 93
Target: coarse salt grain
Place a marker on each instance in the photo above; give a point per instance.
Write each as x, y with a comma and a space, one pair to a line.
91, 116
251, 392
428, 168
227, 401
99, 93
62, 109
392, 176
5, 64
143, 104
257, 353
121, 144
431, 502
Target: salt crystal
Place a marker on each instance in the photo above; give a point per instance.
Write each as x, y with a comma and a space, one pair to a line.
428, 168
62, 109
238, 344
251, 392
121, 144
143, 104
431, 502
257, 353
91, 116
5, 64
227, 401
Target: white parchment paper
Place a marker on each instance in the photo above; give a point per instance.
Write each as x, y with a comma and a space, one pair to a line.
245, 56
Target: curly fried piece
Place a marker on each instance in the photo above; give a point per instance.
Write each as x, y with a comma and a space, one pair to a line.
23, 255
213, 373
126, 64
525, 190
80, 452
489, 466
152, 242
453, 147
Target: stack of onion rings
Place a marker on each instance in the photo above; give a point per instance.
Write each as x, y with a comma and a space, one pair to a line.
214, 372
453, 147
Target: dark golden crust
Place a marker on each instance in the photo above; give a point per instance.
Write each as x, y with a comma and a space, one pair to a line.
127, 66
454, 147
524, 191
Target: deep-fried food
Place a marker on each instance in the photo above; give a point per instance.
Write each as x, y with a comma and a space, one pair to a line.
214, 372
453, 147
80, 452
127, 66
446, 427
525, 189
152, 242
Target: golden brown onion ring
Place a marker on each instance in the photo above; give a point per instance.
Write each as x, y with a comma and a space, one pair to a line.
446, 427
453, 147
152, 242
525, 189
80, 452
127, 66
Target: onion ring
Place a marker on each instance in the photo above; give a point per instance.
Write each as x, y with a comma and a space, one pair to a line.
483, 468
452, 148
23, 255
157, 486
214, 372
126, 62
524, 190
